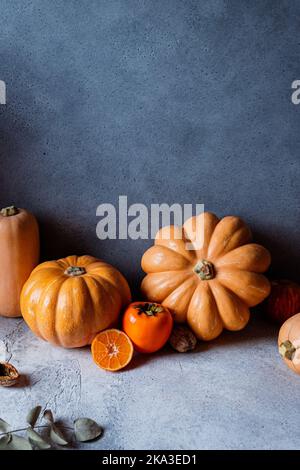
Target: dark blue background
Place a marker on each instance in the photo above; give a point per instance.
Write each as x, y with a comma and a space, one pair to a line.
161, 100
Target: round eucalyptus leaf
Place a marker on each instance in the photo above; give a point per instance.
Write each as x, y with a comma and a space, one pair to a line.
37, 440
33, 415
18, 443
48, 416
57, 436
4, 426
86, 429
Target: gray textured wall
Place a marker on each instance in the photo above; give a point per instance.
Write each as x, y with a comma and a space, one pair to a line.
163, 100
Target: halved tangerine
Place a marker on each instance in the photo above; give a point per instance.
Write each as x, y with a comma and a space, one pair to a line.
112, 349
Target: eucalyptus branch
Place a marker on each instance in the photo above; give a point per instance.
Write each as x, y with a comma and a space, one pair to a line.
45, 426
84, 430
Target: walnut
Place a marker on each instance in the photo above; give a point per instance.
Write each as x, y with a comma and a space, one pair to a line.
8, 374
182, 339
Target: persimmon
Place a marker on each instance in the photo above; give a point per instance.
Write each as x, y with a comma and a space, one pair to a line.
148, 325
112, 350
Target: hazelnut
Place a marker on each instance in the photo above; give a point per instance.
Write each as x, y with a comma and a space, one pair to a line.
182, 339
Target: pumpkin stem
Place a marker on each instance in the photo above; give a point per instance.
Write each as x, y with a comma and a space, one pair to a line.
205, 270
149, 309
287, 350
9, 211
75, 271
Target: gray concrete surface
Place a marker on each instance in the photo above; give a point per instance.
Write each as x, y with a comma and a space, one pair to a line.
234, 393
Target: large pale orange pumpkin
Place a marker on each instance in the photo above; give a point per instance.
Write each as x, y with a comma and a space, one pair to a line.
212, 285
67, 302
19, 254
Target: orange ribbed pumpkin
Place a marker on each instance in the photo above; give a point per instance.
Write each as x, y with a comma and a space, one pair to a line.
20, 249
67, 302
210, 286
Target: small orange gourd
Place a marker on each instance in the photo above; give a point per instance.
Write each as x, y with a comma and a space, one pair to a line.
19, 249
67, 302
207, 273
289, 343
